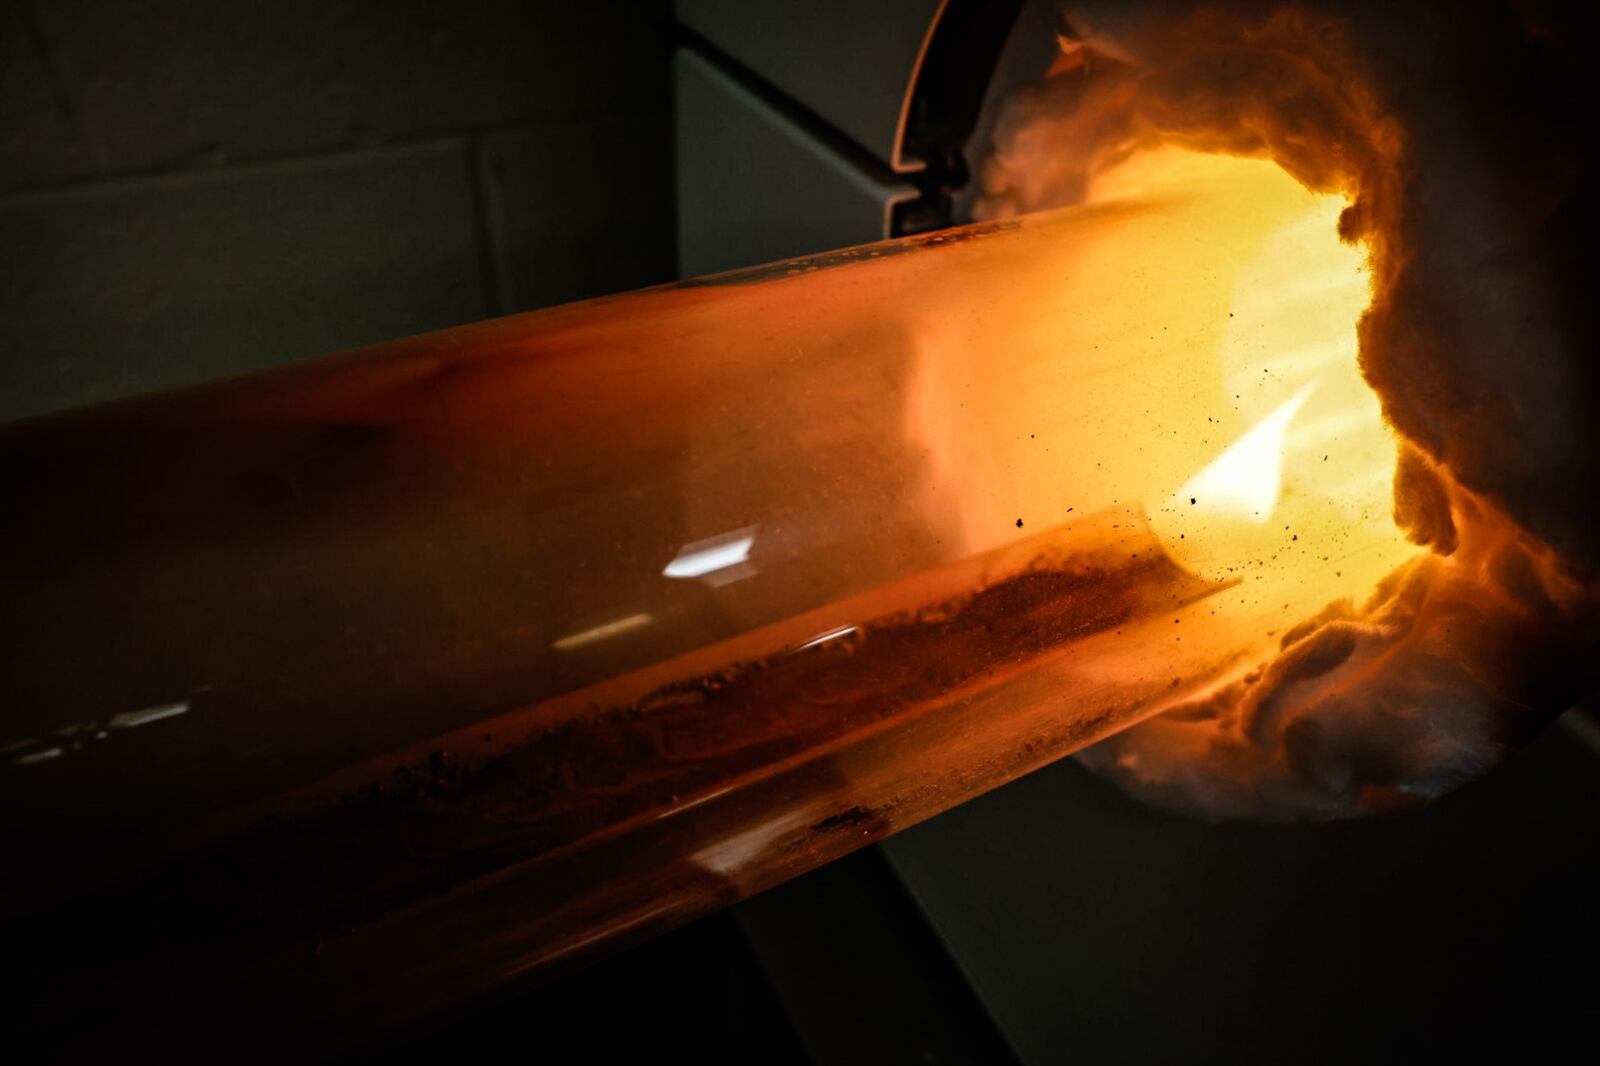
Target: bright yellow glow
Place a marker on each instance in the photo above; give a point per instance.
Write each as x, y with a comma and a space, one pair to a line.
1302, 499
1193, 336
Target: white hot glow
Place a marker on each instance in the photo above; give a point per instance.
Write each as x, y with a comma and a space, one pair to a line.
1246, 479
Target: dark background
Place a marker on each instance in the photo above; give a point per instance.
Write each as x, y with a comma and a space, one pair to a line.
191, 189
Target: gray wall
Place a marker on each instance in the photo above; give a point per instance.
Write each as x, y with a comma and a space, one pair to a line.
191, 189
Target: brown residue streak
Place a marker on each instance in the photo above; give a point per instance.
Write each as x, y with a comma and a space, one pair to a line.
809, 263
850, 818
585, 775
590, 785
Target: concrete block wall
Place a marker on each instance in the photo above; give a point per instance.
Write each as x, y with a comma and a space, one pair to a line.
192, 189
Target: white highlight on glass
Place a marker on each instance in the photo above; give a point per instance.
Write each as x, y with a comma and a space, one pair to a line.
38, 756
604, 631
1246, 478
129, 719
719, 559
823, 638
732, 853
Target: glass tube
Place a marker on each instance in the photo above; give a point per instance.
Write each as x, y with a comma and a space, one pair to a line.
353, 689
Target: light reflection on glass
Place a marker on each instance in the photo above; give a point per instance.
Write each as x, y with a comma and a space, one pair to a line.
130, 719
38, 756
823, 638
721, 560
604, 631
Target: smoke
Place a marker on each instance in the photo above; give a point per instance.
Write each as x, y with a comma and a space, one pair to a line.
1462, 137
